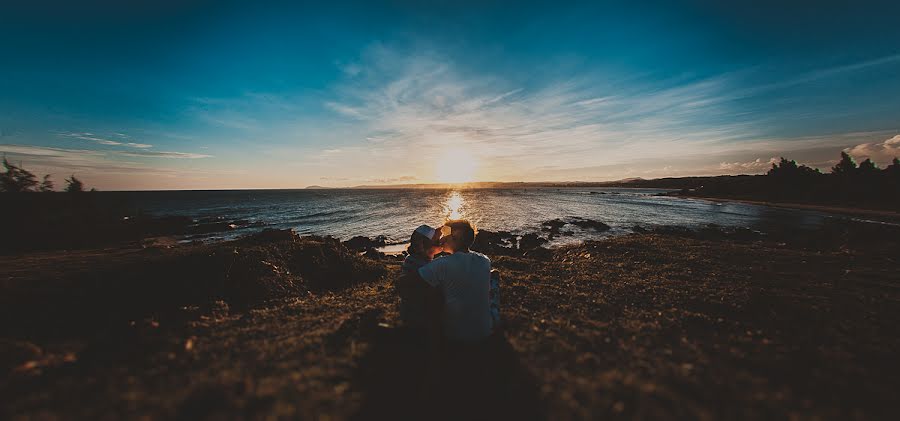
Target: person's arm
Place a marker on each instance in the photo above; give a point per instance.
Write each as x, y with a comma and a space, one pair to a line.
431, 275
408, 279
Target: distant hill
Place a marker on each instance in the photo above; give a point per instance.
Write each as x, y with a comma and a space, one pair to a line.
500, 185
635, 182
316, 188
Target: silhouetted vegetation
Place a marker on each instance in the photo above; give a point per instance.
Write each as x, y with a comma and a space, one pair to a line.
862, 185
74, 185
15, 179
35, 217
46, 185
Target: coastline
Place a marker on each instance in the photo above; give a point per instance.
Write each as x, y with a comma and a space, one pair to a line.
840, 210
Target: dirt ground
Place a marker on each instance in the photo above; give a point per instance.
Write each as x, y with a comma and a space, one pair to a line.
649, 326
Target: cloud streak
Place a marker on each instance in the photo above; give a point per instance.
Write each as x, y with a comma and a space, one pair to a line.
424, 104
161, 154
107, 142
416, 107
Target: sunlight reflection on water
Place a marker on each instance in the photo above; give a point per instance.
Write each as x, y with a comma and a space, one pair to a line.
453, 207
396, 213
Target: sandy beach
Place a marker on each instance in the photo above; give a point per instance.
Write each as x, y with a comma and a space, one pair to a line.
671, 324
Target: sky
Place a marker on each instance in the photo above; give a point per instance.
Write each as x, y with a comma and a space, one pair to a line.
227, 95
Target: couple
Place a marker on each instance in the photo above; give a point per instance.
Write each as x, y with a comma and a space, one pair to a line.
457, 294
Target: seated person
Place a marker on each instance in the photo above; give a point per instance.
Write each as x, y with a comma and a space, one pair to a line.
463, 280
424, 244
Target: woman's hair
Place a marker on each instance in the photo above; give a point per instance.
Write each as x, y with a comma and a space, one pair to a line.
419, 244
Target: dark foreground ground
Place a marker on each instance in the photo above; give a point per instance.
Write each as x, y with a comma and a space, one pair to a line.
667, 324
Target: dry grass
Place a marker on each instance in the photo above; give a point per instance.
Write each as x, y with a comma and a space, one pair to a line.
649, 326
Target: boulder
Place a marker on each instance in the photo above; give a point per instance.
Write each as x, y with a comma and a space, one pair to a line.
270, 235
500, 242
362, 243
531, 241
589, 224
553, 226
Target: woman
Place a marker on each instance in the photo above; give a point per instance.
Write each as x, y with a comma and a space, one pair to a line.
424, 244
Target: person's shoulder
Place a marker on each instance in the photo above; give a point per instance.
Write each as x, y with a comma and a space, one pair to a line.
438, 261
480, 256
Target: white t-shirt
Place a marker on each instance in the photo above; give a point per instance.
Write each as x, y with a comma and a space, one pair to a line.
465, 281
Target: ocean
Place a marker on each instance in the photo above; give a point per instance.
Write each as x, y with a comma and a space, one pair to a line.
394, 213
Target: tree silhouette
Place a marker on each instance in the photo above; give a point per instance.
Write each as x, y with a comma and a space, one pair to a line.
15, 179
789, 170
893, 170
846, 167
74, 185
867, 168
46, 184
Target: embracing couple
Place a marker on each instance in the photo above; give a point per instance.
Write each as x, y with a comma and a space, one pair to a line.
455, 295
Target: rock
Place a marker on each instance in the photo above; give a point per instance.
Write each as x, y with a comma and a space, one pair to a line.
500, 242
531, 241
553, 226
361, 243
272, 235
589, 224
373, 253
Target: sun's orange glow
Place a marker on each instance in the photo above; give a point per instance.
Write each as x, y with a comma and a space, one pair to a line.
456, 166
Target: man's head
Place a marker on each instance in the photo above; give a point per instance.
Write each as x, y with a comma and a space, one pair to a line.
461, 237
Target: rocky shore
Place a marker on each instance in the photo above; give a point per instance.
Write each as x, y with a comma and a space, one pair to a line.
666, 323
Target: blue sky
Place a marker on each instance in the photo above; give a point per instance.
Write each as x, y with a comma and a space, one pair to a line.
191, 95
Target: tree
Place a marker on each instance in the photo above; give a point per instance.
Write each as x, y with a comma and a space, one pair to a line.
783, 168
46, 184
867, 168
74, 185
15, 179
893, 169
846, 167
789, 170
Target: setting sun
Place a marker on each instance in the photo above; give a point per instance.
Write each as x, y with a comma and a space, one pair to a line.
456, 166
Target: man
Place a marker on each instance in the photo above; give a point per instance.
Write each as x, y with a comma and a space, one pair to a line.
463, 279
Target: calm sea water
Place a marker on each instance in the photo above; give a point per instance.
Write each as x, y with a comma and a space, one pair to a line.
395, 213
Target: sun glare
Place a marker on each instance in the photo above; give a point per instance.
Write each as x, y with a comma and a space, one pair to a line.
456, 166
453, 207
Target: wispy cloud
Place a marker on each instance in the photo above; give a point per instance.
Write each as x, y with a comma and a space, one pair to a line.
248, 112
417, 107
402, 179
421, 105
104, 141
112, 170
162, 154
68, 160
142, 151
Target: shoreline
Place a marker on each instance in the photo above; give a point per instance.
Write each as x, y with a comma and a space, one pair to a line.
840, 210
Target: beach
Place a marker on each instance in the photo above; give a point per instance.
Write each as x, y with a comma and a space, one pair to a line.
667, 323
